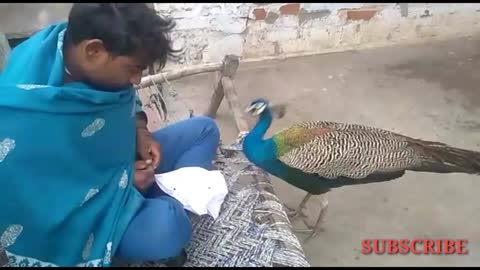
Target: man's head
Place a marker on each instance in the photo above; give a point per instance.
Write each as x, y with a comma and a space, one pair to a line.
109, 44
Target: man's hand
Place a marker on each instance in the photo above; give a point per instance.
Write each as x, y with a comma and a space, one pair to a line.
144, 175
147, 148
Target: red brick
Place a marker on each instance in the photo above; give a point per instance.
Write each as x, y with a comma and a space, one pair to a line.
360, 14
260, 14
290, 9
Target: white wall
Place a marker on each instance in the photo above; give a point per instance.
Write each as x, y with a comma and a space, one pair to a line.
208, 31
18, 20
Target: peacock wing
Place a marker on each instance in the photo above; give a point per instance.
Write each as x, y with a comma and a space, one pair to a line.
333, 150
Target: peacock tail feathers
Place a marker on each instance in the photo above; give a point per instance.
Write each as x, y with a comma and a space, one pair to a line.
333, 150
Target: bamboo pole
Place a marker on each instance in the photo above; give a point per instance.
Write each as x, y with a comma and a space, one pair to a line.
217, 96
177, 74
234, 104
229, 68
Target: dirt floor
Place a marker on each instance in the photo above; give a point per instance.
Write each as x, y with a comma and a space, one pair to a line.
428, 91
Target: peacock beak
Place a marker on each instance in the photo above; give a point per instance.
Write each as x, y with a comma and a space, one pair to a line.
250, 108
256, 109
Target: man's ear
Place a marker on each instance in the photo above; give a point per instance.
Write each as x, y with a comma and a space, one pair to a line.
95, 50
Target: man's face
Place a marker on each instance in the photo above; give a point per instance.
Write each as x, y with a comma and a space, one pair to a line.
105, 71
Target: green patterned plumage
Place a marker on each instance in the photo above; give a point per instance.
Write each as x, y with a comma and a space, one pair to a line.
333, 150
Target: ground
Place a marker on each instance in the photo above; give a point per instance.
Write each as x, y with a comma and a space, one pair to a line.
428, 91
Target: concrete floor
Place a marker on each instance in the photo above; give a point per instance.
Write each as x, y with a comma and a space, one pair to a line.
428, 91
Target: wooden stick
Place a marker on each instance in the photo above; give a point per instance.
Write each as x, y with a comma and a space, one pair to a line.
217, 96
232, 98
230, 66
177, 74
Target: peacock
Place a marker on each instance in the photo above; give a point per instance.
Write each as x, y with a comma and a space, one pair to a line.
317, 156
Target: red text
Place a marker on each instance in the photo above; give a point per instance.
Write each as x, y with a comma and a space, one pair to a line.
415, 246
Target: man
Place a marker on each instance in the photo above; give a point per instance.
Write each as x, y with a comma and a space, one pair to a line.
79, 77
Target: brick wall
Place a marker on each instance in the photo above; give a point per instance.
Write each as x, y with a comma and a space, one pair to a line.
208, 31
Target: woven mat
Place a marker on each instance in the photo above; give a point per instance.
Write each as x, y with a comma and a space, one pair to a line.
252, 229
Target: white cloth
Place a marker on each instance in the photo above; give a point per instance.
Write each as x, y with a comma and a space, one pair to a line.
200, 191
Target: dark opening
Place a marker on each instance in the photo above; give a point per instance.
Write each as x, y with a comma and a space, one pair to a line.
13, 42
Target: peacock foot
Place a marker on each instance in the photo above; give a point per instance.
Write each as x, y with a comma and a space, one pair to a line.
294, 213
241, 137
314, 230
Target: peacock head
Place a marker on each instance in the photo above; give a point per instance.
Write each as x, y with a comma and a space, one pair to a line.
260, 106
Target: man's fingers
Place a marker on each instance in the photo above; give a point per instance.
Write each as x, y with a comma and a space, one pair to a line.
145, 177
140, 165
147, 172
145, 154
155, 151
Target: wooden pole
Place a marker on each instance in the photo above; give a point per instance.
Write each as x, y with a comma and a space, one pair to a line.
217, 96
174, 75
232, 98
229, 69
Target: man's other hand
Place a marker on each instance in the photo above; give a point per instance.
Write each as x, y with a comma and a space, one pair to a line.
144, 175
148, 149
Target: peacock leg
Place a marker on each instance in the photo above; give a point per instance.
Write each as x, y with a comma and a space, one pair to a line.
295, 213
317, 227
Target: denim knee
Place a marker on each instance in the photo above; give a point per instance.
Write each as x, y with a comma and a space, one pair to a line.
160, 231
209, 126
173, 228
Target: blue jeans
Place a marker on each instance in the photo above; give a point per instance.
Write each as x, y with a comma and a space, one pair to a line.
162, 228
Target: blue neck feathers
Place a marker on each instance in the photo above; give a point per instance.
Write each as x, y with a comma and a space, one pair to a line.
263, 153
258, 132
255, 147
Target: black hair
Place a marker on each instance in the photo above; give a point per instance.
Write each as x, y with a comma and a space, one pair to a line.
126, 29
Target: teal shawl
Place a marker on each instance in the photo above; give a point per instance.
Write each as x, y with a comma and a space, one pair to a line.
66, 161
